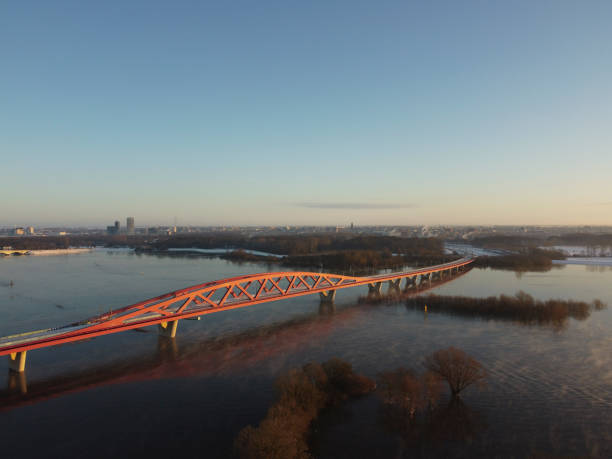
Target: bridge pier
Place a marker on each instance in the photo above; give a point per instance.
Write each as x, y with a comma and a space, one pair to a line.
410, 282
17, 361
375, 288
327, 297
168, 329
394, 286
425, 278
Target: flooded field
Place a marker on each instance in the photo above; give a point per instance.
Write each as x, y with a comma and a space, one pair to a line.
549, 391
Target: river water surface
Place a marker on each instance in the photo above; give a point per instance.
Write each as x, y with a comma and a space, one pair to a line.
549, 390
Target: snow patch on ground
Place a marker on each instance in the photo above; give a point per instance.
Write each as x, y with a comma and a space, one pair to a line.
598, 261
223, 251
470, 250
583, 251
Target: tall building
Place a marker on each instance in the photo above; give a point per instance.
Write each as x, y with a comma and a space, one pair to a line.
113, 229
130, 225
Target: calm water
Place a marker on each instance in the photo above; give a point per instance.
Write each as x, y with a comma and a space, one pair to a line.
549, 391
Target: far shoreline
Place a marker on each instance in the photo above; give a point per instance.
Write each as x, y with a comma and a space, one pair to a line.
49, 252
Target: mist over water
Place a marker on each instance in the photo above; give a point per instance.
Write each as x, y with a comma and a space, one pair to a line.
548, 391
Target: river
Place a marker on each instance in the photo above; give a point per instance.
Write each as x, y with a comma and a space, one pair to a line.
133, 394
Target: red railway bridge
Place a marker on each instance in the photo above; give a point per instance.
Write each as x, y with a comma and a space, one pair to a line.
222, 295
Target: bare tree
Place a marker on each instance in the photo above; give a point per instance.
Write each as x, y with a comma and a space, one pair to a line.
455, 367
409, 392
402, 389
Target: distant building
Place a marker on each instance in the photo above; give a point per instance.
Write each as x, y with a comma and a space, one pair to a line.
114, 229
18, 232
30, 230
130, 225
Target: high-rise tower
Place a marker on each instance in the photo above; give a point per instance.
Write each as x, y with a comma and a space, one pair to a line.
130, 225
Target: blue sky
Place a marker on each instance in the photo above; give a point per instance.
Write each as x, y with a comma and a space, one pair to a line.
315, 112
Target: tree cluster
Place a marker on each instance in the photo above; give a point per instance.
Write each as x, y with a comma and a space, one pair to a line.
521, 308
73, 240
302, 394
593, 240
455, 367
530, 259
410, 400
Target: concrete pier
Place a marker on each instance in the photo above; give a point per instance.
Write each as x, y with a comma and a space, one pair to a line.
17, 361
425, 278
168, 329
411, 282
375, 288
394, 286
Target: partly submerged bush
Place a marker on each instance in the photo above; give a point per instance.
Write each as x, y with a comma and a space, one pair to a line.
531, 259
408, 392
302, 393
522, 308
455, 367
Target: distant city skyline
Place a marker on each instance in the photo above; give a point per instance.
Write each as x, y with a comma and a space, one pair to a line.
312, 113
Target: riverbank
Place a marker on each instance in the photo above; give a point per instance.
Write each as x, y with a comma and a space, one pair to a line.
588, 261
60, 251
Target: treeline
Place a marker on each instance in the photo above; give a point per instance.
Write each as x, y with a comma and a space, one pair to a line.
593, 240
508, 242
347, 261
529, 259
512, 242
49, 242
77, 240
302, 394
305, 244
339, 251
521, 308
359, 260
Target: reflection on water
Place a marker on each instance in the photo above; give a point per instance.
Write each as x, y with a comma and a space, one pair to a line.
172, 358
548, 391
443, 427
598, 268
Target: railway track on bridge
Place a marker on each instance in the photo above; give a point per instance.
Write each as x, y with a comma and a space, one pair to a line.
222, 295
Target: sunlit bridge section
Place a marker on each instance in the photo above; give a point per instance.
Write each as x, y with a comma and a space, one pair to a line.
166, 310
